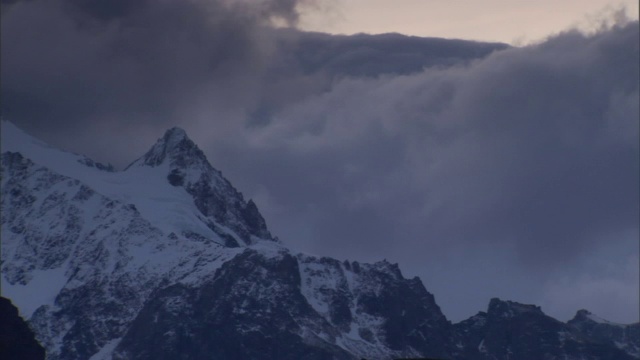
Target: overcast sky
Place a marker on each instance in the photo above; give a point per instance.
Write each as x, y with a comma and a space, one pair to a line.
509, 21
487, 170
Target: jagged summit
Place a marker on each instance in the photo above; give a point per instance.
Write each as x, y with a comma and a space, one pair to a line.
510, 330
176, 148
184, 165
507, 308
175, 132
586, 316
176, 139
583, 313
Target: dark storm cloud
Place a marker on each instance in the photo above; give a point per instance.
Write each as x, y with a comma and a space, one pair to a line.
530, 152
157, 52
105, 10
373, 55
310, 63
80, 68
521, 147
479, 167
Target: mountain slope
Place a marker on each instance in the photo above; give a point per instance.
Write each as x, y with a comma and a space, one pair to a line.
83, 247
167, 260
77, 262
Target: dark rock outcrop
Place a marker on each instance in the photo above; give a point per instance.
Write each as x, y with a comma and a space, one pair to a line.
251, 309
17, 341
509, 330
589, 326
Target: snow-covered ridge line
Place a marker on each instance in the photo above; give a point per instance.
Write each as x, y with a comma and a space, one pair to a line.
167, 260
150, 186
599, 320
70, 226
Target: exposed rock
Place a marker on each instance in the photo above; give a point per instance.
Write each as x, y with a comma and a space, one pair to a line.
509, 330
17, 341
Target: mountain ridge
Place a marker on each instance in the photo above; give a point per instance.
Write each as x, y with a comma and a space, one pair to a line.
169, 240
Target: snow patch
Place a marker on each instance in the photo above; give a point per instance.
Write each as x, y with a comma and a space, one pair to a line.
600, 320
481, 347
168, 207
41, 290
106, 352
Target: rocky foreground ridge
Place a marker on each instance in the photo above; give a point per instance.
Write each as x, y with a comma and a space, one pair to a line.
17, 341
167, 260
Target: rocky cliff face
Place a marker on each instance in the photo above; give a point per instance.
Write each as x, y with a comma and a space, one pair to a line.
510, 330
271, 304
596, 329
167, 260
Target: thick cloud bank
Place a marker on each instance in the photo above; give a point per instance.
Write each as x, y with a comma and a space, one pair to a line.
74, 68
531, 151
486, 170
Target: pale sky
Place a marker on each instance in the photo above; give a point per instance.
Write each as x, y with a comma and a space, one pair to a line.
509, 21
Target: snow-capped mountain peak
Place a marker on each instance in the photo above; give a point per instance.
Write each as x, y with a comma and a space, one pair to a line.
175, 134
182, 164
167, 260
176, 148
